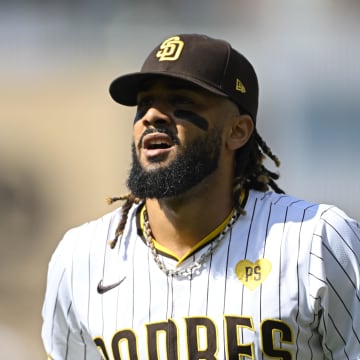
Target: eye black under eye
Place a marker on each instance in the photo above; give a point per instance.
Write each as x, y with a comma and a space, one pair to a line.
192, 117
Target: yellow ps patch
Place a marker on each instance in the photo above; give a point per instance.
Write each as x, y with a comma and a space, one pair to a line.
253, 274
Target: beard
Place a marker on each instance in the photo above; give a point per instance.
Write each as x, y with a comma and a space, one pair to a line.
193, 164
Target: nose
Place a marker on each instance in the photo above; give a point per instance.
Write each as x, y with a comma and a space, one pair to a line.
155, 116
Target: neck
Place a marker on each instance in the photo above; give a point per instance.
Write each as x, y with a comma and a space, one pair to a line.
180, 223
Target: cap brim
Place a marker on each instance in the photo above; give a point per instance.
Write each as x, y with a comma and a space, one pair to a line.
124, 89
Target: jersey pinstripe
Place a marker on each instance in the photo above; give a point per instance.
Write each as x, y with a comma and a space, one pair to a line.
283, 284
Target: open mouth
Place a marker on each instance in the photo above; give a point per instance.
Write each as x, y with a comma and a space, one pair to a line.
158, 146
157, 141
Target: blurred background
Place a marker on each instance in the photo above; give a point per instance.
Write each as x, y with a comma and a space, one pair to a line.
65, 145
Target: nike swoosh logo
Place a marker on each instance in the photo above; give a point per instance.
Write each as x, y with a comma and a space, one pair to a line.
101, 289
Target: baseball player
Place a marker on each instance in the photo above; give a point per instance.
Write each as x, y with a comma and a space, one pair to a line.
207, 258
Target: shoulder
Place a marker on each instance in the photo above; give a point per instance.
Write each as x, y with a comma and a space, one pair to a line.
308, 218
319, 220
94, 229
279, 200
290, 206
95, 225
91, 236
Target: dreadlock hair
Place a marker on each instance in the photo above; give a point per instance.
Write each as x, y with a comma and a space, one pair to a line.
250, 173
130, 199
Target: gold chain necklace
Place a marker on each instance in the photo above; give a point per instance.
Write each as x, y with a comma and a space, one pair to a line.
195, 267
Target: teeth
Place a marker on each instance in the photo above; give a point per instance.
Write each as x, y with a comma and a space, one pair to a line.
158, 145
156, 141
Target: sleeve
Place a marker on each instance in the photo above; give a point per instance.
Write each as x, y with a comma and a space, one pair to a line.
62, 334
335, 284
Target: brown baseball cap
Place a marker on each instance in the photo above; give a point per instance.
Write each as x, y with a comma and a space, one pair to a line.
209, 63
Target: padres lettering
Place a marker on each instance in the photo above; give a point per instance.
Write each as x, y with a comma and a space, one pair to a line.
170, 49
202, 340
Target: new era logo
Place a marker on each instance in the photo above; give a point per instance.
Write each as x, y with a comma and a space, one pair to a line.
240, 86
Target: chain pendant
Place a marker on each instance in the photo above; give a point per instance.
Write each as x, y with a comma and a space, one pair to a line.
196, 266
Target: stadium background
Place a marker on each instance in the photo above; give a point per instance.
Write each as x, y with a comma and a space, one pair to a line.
64, 144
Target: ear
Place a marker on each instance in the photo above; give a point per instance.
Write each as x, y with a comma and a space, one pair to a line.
241, 129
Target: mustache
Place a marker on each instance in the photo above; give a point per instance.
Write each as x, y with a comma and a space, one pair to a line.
173, 137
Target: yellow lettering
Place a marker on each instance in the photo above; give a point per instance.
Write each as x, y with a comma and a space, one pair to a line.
270, 346
161, 336
233, 327
202, 338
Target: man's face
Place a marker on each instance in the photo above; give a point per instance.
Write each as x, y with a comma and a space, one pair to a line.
177, 138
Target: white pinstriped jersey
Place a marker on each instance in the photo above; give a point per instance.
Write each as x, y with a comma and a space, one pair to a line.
283, 284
